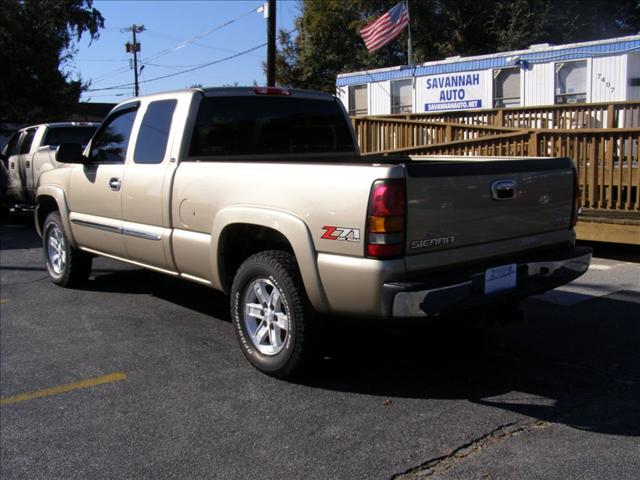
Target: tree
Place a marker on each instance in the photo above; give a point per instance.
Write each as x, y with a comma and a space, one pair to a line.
37, 39
328, 42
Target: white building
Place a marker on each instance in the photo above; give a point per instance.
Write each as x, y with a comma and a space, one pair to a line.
588, 72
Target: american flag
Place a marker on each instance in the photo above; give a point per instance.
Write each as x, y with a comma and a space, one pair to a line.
381, 31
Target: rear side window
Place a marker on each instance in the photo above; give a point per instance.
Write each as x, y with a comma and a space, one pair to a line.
259, 125
57, 135
111, 142
27, 141
12, 146
151, 145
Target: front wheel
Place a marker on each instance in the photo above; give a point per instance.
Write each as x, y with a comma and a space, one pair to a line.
271, 314
66, 266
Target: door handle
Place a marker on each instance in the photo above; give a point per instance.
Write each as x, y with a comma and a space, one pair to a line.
114, 184
27, 164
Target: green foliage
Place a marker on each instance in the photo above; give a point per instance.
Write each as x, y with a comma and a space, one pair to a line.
37, 39
328, 42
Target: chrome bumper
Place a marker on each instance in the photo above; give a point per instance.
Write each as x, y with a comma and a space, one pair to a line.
533, 277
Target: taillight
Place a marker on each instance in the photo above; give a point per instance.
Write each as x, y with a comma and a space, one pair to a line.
576, 198
386, 218
271, 91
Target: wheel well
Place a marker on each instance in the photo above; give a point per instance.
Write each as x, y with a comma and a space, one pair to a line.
46, 205
239, 241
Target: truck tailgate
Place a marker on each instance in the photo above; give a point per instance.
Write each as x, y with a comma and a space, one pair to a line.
461, 202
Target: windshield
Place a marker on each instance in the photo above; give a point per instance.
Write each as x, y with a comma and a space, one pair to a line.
263, 125
57, 135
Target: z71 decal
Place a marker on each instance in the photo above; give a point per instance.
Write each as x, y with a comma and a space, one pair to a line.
341, 233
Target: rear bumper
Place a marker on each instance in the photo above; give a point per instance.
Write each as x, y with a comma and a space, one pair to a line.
536, 274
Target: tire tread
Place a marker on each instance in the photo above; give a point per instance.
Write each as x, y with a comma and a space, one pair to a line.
79, 263
285, 266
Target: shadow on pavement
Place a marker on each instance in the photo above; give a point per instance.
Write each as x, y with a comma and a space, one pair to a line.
614, 251
199, 298
15, 233
577, 365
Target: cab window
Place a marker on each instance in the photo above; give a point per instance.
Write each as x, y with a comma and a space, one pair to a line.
27, 140
151, 144
12, 146
112, 140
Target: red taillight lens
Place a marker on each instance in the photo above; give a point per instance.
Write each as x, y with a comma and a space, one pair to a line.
576, 198
271, 91
386, 219
387, 199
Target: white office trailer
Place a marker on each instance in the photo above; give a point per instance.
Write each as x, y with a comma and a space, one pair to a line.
543, 74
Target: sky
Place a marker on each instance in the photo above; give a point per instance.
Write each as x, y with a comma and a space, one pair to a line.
179, 35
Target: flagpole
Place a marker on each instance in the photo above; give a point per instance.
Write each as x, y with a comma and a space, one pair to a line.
410, 46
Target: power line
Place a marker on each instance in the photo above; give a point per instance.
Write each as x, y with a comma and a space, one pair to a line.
196, 44
180, 45
198, 67
106, 60
174, 66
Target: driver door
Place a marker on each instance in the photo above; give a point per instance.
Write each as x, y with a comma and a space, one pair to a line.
95, 188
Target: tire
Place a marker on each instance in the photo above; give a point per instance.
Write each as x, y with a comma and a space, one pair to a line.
66, 266
271, 314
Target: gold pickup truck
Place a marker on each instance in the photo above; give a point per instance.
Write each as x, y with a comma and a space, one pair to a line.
262, 193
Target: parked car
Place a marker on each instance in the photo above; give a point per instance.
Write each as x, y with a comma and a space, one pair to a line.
4, 177
261, 193
31, 151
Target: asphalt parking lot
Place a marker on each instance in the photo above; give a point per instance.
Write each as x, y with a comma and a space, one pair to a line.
145, 380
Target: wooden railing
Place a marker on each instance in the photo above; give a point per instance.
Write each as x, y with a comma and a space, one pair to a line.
577, 115
377, 134
603, 139
607, 160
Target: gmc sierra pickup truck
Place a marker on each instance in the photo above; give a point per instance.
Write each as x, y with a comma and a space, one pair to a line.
31, 151
261, 193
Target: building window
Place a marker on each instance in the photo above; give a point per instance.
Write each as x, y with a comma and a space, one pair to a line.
571, 82
402, 96
506, 87
358, 100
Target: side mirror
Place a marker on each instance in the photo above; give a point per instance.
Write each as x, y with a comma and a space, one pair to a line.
70, 153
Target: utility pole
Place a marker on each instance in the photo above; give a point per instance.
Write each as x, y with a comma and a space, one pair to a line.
134, 48
271, 44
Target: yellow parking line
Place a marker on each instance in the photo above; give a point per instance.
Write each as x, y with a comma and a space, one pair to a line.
4, 300
67, 387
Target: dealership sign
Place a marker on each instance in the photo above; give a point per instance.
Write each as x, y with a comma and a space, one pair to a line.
456, 91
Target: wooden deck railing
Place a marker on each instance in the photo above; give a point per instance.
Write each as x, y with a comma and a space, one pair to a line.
580, 115
603, 139
607, 160
377, 134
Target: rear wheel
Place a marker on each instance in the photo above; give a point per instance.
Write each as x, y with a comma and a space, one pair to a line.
271, 314
66, 266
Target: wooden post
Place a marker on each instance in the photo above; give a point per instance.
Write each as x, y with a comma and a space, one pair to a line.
448, 134
611, 114
499, 119
533, 144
